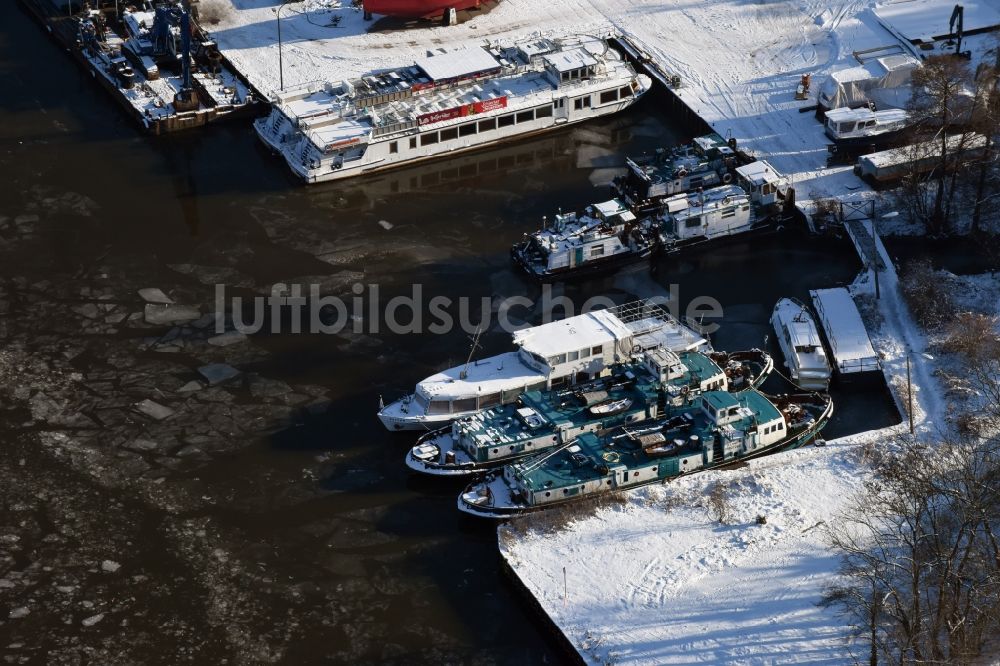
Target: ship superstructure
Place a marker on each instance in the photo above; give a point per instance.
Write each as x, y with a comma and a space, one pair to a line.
450, 100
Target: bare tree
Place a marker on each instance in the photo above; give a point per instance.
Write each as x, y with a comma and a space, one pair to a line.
718, 502
920, 572
943, 104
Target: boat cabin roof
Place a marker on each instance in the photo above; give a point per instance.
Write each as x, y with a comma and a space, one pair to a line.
694, 203
759, 173
719, 400
343, 134
570, 60
923, 150
536, 47
610, 209
444, 64
583, 331
711, 142
846, 114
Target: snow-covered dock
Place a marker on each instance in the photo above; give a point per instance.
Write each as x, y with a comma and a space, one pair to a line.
845, 331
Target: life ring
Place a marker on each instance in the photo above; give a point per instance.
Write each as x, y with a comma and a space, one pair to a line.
611, 457
685, 390
682, 172
726, 201
727, 178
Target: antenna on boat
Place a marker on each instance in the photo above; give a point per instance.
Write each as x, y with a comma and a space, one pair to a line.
472, 350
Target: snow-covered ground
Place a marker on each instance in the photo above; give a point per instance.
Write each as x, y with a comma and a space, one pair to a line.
658, 580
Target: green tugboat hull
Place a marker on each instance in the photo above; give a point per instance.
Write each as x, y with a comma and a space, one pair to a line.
472, 500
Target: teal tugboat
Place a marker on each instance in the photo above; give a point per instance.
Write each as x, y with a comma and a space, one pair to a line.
716, 429
659, 380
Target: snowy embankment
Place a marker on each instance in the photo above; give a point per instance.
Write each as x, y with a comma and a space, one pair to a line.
657, 580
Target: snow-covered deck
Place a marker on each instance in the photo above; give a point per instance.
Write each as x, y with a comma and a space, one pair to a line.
845, 331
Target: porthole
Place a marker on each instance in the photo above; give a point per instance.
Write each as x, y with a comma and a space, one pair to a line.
495, 451
548, 494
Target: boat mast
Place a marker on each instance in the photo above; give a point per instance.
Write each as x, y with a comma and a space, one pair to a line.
472, 350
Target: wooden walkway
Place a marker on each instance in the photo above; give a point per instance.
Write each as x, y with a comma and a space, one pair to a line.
867, 243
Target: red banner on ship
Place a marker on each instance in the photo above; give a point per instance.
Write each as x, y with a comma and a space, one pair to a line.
465, 110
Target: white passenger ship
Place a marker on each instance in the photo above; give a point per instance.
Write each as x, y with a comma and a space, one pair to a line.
549, 356
447, 102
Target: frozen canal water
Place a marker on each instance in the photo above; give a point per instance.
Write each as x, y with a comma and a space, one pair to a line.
272, 519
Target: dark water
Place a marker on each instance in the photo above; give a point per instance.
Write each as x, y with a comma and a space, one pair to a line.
415, 582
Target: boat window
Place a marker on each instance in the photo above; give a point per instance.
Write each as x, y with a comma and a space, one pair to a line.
449, 134
489, 400
781, 425
609, 96
693, 221
870, 123
413, 142
525, 116
438, 407
487, 125
581, 102
506, 121
597, 351
421, 401
428, 139
394, 147
624, 91
557, 359
846, 127
464, 405
597, 250
544, 111
572, 356
729, 212
511, 395
559, 381
584, 353
533, 360
467, 130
